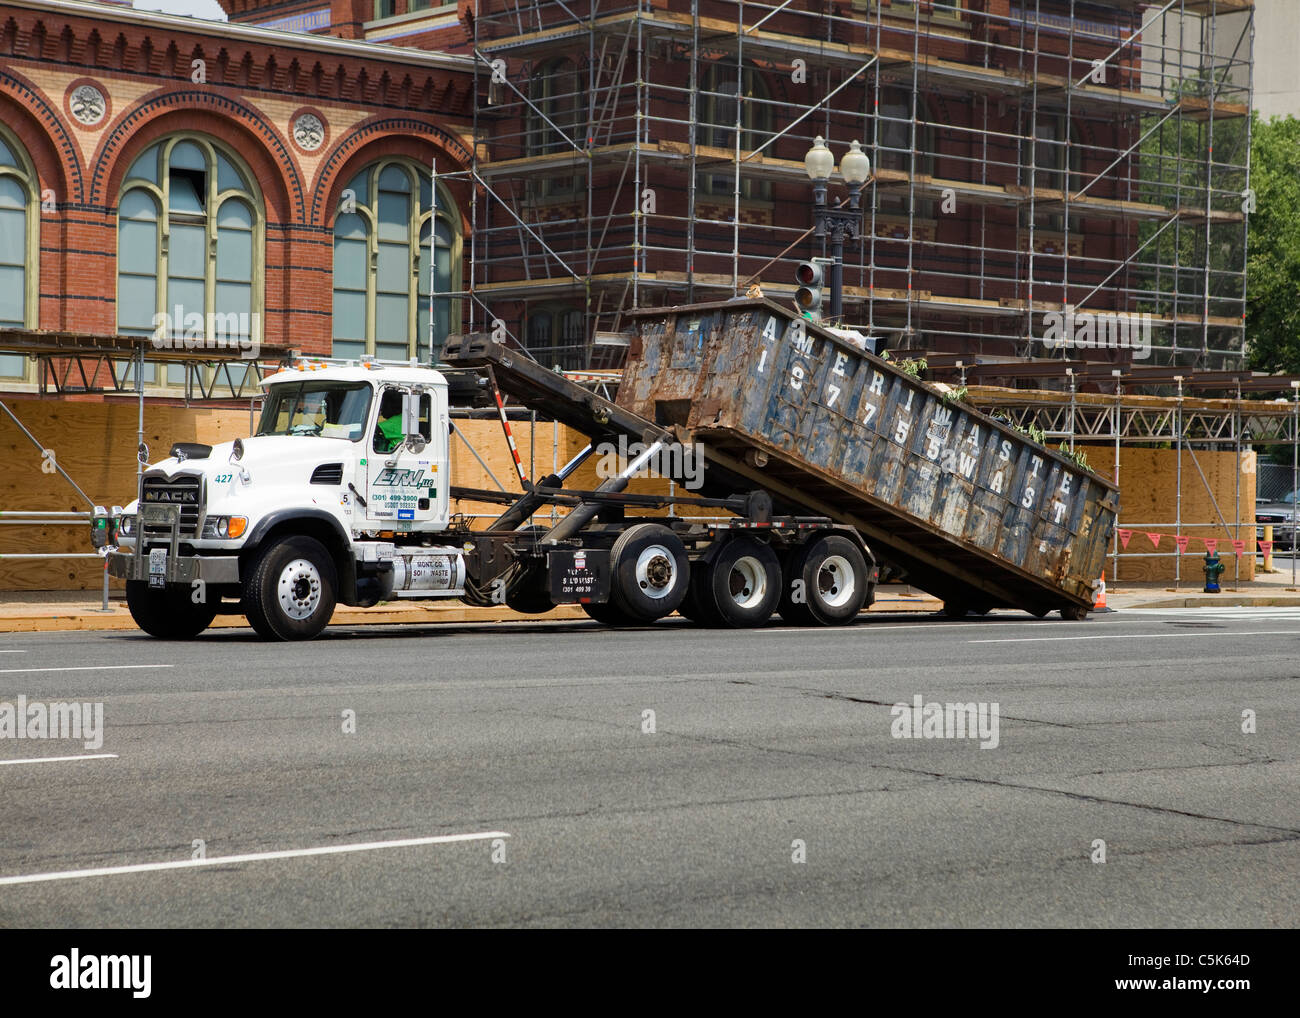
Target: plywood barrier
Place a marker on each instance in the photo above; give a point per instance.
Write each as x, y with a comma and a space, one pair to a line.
95, 443
1149, 504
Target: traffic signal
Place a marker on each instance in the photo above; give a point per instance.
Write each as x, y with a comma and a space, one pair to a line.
808, 298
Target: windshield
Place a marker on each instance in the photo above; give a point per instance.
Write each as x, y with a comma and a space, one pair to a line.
319, 408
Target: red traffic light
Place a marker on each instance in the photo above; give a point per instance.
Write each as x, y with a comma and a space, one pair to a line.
808, 273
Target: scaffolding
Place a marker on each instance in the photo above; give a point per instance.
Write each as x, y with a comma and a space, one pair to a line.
1029, 158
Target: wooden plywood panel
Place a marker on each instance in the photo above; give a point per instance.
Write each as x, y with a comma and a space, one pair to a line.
95, 443
1150, 503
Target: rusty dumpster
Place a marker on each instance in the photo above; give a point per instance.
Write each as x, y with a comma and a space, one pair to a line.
976, 512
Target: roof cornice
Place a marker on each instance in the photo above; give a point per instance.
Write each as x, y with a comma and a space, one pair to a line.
323, 45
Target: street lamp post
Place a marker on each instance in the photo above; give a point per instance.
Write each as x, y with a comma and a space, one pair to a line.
819, 164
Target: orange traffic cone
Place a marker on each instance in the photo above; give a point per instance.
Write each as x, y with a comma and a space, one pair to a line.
1100, 604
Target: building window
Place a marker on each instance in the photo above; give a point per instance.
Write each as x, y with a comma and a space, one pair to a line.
1047, 148
556, 336
719, 89
554, 123
382, 286
893, 145
189, 251
909, 8
19, 244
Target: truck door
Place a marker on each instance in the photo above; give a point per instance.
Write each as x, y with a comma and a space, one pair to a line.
405, 489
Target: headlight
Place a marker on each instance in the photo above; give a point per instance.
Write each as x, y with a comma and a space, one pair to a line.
221, 528
126, 526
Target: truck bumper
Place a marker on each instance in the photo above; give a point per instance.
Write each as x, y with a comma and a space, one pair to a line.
126, 565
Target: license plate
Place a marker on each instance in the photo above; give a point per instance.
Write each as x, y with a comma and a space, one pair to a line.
157, 567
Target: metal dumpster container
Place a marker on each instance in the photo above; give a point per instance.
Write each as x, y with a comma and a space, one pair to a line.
975, 511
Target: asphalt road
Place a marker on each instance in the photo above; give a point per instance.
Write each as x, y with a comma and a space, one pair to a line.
1126, 728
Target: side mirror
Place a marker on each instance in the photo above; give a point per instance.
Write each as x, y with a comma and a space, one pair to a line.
411, 422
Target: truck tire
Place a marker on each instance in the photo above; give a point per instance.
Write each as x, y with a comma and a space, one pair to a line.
1074, 613
290, 591
649, 572
167, 618
743, 583
833, 572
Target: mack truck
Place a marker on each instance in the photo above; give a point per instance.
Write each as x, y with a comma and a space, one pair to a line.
818, 455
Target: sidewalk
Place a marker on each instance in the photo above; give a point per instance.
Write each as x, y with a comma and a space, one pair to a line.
79, 610
1266, 590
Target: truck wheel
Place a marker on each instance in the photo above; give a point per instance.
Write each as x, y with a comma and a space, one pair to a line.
1074, 613
834, 582
650, 572
290, 591
744, 583
168, 618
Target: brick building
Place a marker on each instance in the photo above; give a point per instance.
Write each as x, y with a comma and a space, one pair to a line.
603, 155
253, 184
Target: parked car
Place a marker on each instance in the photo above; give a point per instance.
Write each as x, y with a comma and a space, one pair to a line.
1281, 514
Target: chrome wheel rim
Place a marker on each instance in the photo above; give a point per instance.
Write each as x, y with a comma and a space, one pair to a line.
747, 582
835, 581
656, 571
299, 589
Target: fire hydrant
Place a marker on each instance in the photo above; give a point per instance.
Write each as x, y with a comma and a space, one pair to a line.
1213, 570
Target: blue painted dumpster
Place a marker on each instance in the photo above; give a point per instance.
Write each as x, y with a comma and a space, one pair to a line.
974, 510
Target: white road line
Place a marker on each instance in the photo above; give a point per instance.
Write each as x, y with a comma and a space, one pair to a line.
81, 668
228, 860
60, 759
13, 652
1179, 635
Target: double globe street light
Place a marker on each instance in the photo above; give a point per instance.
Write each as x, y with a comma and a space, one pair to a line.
855, 167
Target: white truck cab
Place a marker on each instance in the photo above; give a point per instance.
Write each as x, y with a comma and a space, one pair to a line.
339, 495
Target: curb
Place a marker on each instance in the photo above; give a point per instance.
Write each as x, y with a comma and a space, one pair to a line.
1242, 601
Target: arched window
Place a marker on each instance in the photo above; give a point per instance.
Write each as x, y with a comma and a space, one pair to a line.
719, 89
382, 236
19, 243
555, 120
190, 249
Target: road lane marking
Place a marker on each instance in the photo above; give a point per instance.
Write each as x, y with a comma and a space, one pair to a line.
228, 860
81, 668
1180, 635
60, 759
13, 652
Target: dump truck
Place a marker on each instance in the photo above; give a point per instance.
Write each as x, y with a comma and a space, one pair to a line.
815, 453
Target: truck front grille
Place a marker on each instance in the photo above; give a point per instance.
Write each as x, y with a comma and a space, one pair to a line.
185, 491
